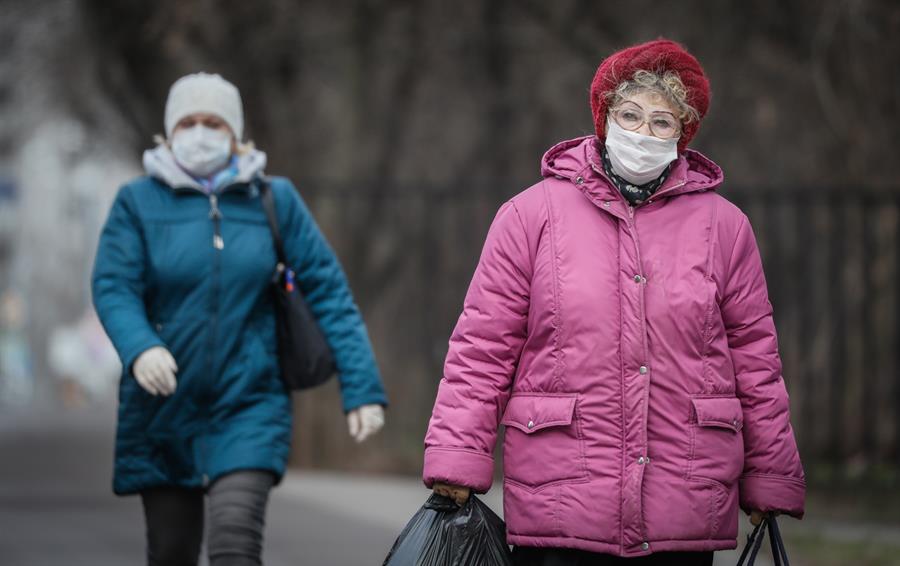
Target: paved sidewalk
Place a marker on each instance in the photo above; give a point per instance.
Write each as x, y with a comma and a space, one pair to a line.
56, 508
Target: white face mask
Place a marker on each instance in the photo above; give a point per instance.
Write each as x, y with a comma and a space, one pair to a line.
201, 150
637, 158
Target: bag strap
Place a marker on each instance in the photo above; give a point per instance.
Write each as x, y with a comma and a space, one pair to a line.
754, 542
268, 204
755, 539
773, 545
779, 553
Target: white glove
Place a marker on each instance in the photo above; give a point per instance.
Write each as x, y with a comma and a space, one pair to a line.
365, 421
155, 370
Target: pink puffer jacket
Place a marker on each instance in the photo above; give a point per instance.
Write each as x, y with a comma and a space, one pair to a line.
631, 355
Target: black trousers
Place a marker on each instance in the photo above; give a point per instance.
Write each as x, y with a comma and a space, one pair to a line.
531, 556
237, 510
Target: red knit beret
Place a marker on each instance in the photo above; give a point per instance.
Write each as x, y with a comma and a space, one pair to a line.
657, 56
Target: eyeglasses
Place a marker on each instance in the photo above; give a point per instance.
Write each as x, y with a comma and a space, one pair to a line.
630, 116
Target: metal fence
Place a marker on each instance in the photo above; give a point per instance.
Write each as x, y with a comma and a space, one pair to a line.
832, 260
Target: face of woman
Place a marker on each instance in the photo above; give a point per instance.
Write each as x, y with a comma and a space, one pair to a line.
203, 144
210, 121
647, 113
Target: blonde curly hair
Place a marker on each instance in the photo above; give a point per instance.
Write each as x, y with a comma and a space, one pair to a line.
667, 85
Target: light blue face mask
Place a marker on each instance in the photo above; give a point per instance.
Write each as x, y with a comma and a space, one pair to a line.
638, 158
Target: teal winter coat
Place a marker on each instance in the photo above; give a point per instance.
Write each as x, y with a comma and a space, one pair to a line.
190, 271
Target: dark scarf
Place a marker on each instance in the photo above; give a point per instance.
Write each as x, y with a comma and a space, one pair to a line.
634, 194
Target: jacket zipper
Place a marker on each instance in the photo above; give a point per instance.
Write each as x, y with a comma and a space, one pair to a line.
645, 352
218, 243
632, 227
216, 215
654, 196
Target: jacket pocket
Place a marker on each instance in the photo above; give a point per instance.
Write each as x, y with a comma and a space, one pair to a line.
543, 442
717, 444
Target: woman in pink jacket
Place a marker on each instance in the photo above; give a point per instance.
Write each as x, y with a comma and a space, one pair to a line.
618, 326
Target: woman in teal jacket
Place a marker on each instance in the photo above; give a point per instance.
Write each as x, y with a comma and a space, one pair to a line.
181, 283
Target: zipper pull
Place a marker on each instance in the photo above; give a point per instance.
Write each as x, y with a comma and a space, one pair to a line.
215, 214
214, 211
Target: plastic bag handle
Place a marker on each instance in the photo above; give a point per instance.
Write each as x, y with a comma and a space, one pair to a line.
779, 552
440, 503
755, 539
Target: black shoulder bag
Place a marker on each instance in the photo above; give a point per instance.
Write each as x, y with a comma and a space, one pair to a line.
305, 357
755, 539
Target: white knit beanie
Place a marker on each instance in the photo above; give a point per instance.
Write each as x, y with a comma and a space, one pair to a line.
204, 92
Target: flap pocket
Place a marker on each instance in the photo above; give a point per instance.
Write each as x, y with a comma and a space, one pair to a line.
719, 412
531, 412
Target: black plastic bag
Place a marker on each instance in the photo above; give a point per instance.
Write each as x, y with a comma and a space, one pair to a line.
444, 534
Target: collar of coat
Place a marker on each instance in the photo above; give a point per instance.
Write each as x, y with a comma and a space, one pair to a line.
578, 160
160, 164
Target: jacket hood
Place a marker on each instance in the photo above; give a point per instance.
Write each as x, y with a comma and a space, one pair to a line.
160, 164
579, 157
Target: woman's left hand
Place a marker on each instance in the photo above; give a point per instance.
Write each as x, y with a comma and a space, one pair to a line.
365, 421
756, 517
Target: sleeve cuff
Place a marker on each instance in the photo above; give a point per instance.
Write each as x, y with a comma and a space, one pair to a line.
357, 402
762, 492
459, 466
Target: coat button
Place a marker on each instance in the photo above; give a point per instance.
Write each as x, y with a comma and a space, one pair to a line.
579, 180
606, 204
642, 460
530, 424
643, 370
735, 423
645, 546
638, 278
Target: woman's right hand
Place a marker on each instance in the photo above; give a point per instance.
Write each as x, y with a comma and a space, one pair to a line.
457, 493
154, 370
